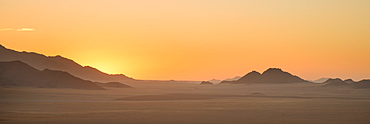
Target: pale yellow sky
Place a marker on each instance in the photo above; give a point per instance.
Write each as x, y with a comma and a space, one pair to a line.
196, 39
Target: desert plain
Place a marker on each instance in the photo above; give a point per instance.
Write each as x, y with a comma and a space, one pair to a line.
187, 103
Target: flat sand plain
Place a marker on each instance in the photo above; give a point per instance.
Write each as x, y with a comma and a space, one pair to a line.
180, 103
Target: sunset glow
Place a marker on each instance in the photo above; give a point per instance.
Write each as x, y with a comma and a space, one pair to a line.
196, 39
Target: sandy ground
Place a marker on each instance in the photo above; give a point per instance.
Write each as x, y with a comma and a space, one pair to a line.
164, 103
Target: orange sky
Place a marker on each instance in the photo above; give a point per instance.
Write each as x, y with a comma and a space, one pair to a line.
196, 39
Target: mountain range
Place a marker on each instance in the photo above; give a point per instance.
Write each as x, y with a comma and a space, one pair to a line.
31, 69
42, 62
270, 76
337, 82
17, 73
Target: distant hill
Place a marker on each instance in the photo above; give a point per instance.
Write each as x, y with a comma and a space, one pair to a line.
206, 83
215, 81
270, 76
42, 62
113, 85
335, 83
17, 73
321, 80
233, 79
349, 83
251, 77
362, 84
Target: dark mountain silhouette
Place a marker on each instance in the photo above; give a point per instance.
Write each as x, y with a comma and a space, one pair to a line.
17, 73
349, 81
42, 62
251, 77
206, 83
362, 84
337, 82
113, 85
270, 76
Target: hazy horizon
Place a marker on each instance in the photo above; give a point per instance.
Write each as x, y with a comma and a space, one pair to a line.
212, 80
196, 39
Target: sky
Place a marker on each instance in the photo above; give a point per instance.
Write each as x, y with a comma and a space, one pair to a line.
196, 39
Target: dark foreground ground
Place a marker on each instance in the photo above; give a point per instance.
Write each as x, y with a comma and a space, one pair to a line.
188, 103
